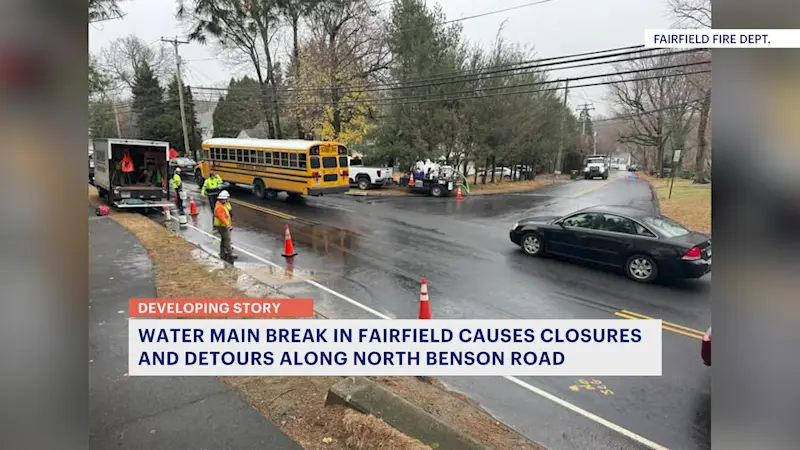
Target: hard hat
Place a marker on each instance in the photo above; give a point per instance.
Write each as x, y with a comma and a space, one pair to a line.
177, 170
223, 195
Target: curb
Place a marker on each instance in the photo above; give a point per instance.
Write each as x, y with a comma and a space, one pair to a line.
368, 397
654, 198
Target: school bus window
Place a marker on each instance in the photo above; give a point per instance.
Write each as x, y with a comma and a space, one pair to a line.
227, 154
284, 159
246, 156
315, 162
267, 158
343, 162
239, 156
301, 158
260, 157
329, 162
276, 159
213, 154
253, 156
293, 160
205, 154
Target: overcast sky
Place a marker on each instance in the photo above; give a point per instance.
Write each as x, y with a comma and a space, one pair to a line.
560, 27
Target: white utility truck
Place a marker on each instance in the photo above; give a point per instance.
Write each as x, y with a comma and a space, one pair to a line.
367, 177
131, 173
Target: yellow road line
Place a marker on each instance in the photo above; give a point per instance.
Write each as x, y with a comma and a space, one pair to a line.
264, 210
664, 325
674, 325
593, 188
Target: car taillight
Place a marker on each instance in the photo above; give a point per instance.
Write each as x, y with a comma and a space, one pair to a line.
693, 254
182, 166
379, 173
707, 336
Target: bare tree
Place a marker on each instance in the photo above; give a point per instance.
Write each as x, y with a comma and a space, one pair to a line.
121, 58
242, 27
691, 13
657, 107
351, 37
697, 14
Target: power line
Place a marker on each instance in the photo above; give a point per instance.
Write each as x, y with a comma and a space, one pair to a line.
488, 13
536, 83
649, 111
462, 79
402, 101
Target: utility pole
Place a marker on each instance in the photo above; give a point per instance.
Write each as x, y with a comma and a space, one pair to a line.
594, 143
175, 43
562, 129
584, 114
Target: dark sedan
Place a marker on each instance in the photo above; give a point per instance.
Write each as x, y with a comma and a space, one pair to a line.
186, 165
646, 246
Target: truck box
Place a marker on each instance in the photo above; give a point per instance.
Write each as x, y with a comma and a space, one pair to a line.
147, 186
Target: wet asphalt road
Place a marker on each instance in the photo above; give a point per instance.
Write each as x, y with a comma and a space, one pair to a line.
375, 250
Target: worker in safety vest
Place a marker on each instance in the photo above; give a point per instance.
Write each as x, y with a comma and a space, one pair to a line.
223, 224
177, 185
211, 188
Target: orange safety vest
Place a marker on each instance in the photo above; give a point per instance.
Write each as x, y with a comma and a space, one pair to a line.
127, 162
222, 216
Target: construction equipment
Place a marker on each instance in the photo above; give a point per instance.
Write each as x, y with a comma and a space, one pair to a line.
432, 179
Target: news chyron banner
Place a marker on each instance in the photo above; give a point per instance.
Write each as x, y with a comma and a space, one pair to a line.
721, 38
254, 337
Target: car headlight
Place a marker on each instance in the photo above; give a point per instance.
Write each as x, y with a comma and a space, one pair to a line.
602, 169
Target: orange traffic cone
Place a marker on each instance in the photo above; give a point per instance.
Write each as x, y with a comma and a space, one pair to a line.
424, 305
192, 207
288, 247
411, 180
458, 194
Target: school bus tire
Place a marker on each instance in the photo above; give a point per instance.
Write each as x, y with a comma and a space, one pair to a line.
198, 178
259, 189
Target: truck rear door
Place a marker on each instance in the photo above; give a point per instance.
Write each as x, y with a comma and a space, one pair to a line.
101, 163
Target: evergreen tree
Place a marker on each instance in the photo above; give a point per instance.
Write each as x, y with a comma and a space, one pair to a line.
148, 105
239, 109
421, 47
101, 119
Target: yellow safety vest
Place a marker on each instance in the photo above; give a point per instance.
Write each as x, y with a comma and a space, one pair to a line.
211, 183
176, 181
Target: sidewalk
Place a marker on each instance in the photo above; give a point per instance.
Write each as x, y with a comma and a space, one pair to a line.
152, 413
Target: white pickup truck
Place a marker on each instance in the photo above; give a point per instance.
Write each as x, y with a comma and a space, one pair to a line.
368, 177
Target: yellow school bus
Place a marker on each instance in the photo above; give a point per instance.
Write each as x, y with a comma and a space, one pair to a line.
272, 166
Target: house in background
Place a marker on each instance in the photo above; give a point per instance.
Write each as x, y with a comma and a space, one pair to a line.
257, 132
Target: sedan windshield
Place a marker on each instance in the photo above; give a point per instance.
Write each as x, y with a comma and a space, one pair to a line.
184, 161
665, 227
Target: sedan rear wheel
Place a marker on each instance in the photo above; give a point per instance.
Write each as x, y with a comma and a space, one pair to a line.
641, 268
532, 244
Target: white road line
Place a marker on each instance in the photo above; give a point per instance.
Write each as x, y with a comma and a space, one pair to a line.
593, 417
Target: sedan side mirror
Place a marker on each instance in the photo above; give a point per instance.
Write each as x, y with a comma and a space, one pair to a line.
559, 222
